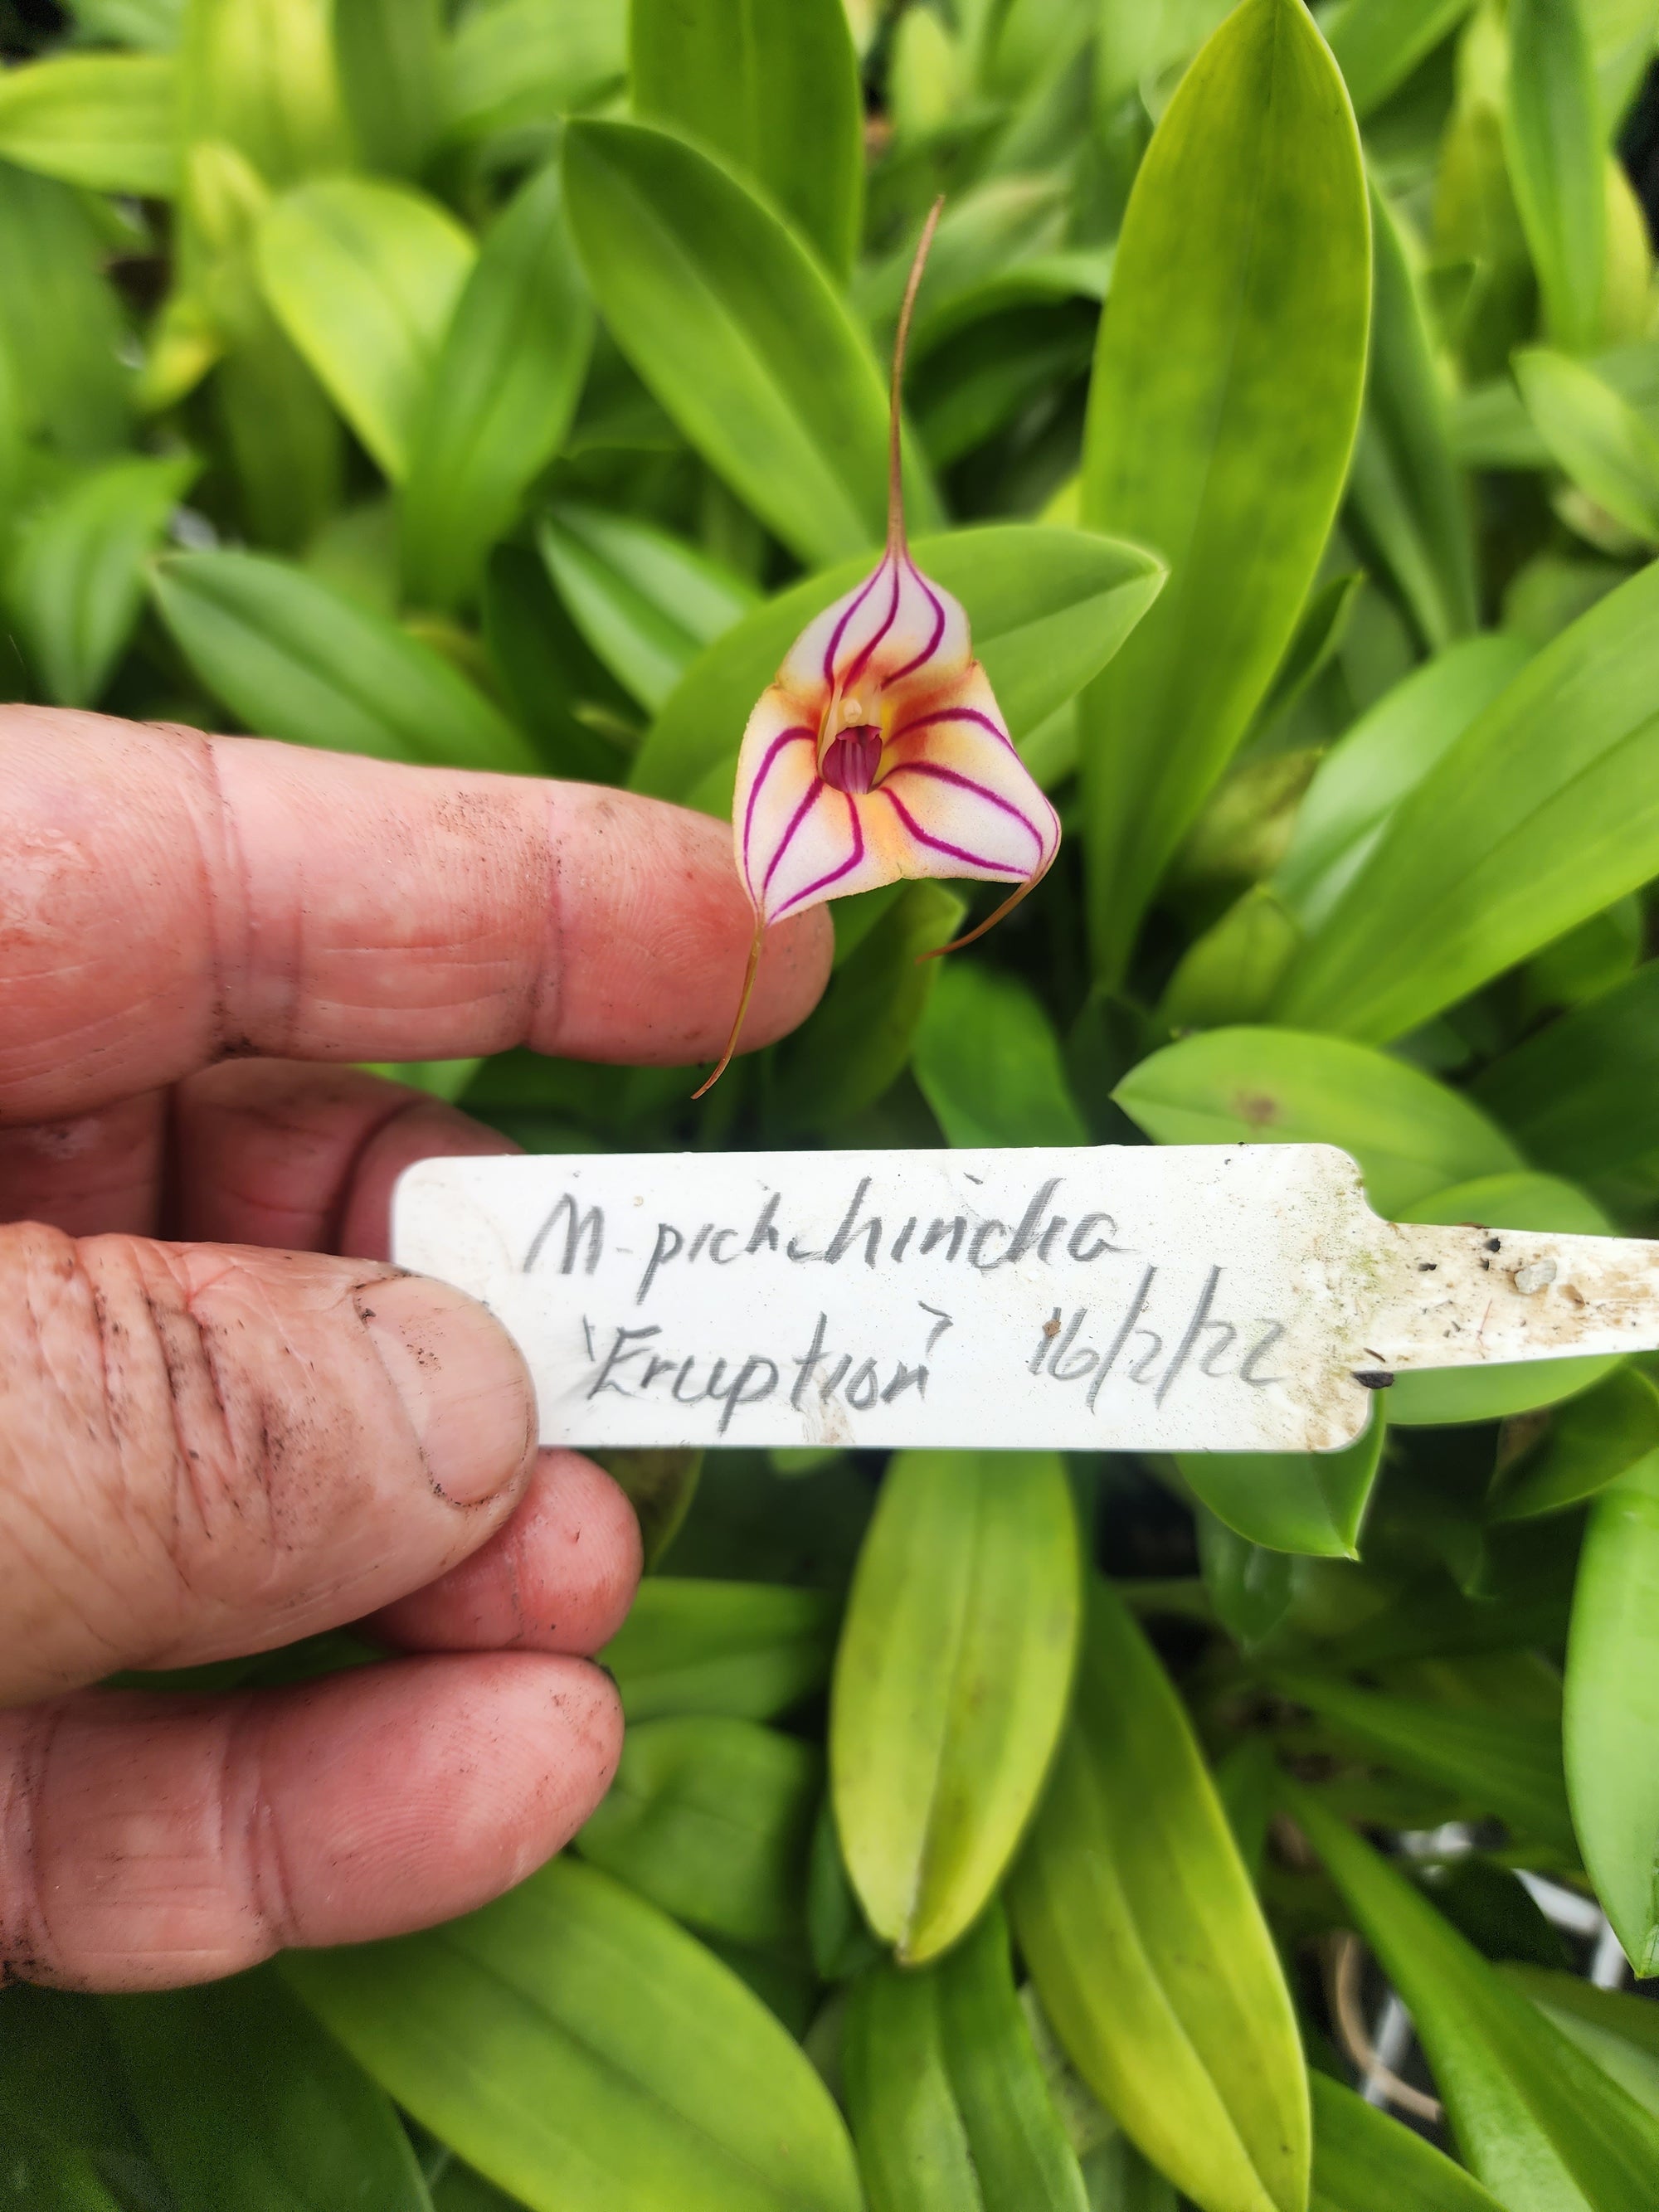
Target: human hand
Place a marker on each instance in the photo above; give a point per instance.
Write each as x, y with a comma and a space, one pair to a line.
218, 1443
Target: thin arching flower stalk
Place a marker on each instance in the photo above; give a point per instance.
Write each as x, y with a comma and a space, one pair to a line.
879, 752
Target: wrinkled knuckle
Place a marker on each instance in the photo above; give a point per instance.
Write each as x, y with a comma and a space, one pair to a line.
257, 1871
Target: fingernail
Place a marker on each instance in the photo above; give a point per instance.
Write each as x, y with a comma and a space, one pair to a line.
462, 1382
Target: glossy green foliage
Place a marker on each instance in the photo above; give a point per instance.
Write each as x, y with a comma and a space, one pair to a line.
1405, 491
516, 67
1544, 810
1552, 131
1378, 43
107, 120
646, 603
1538, 2122
950, 2109
390, 57
1310, 1501
750, 1650
738, 333
1592, 1440
711, 1818
295, 658
1594, 434
282, 2122
260, 76
862, 1039
1411, 1135
772, 85
1147, 1944
1365, 2162
500, 393
1614, 2028
948, 1697
988, 1063
365, 277
78, 578
1048, 608
1508, 1762
1580, 1093
581, 2051
1223, 408
1373, 766
1613, 1707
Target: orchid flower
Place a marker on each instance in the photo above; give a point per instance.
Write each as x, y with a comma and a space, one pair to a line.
879, 752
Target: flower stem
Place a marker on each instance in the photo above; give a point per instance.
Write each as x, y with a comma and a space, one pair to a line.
895, 474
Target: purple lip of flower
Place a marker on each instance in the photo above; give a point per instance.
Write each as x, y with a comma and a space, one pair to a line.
879, 753
851, 761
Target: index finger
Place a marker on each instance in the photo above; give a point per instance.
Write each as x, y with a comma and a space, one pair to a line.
169, 899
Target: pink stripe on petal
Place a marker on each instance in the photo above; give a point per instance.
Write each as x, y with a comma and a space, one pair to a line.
795, 820
834, 874
784, 737
938, 844
967, 783
840, 630
860, 660
956, 715
932, 646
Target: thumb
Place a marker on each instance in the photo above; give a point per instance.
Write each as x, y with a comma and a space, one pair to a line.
207, 1449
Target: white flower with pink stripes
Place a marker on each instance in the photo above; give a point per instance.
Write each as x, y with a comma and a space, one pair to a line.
879, 752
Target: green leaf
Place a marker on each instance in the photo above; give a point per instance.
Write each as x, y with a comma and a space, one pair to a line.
1137, 1918
1411, 1135
1230, 973
858, 1044
517, 65
364, 277
950, 2109
58, 320
1536, 2120
151, 24
260, 75
646, 603
738, 333
711, 1818
40, 2177
243, 2100
950, 1685
1553, 134
572, 707
1435, 1394
1378, 43
391, 61
1543, 812
584, 2053
1618, 2030
1047, 607
1407, 493
1612, 1713
1250, 1588
501, 393
1309, 1502
77, 580
1373, 765
1222, 413
771, 86
989, 1064
751, 1650
297, 659
1364, 2162
106, 120
1592, 1440
1582, 1094
1505, 1763
1593, 433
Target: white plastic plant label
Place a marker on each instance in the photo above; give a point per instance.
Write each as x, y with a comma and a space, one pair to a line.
1238, 1298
